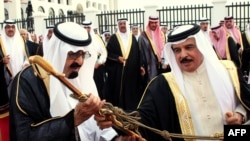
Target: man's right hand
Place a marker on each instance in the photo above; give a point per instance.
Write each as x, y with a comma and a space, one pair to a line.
6, 59
121, 59
84, 110
142, 71
103, 123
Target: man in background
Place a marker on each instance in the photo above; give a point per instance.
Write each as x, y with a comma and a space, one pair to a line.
32, 46
136, 31
13, 58
123, 68
151, 43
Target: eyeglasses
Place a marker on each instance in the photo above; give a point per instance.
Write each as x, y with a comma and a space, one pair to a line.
75, 55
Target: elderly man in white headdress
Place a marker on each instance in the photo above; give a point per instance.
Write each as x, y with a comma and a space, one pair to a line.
95, 64
43, 102
205, 28
123, 68
13, 58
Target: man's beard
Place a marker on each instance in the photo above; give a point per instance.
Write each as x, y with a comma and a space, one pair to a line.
73, 75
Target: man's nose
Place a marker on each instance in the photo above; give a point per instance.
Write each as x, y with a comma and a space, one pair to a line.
183, 53
79, 60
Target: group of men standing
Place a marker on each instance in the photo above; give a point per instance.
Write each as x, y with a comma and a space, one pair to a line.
133, 62
228, 41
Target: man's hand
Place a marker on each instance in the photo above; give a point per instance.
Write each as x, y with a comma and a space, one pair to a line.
240, 50
102, 122
97, 65
121, 59
84, 110
234, 118
142, 71
165, 66
6, 59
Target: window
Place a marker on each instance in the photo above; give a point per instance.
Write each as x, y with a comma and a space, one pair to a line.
61, 15
60, 12
60, 1
22, 15
94, 4
51, 12
41, 9
99, 7
51, 17
69, 2
6, 14
87, 4
79, 8
104, 7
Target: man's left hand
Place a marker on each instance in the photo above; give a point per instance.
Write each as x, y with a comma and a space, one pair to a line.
234, 118
102, 122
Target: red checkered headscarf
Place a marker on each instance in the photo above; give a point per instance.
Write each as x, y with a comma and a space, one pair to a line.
157, 36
